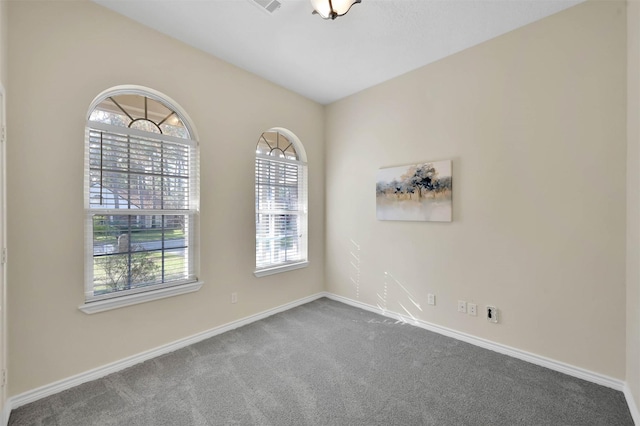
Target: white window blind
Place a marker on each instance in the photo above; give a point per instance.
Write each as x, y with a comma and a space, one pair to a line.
281, 211
141, 202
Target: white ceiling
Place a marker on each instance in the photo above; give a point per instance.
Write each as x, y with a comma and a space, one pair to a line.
328, 60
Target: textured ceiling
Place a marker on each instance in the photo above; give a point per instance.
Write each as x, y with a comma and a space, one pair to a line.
328, 60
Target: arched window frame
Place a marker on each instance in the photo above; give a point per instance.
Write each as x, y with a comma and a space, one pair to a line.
278, 264
184, 149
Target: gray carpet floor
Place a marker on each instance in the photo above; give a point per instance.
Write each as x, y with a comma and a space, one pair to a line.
327, 363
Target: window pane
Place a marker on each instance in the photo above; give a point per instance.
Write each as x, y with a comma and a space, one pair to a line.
139, 112
175, 264
129, 172
276, 145
133, 251
278, 239
279, 213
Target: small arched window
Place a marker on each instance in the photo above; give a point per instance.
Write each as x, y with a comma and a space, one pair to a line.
141, 199
281, 203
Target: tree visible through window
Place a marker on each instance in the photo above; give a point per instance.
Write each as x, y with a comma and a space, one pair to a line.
281, 203
141, 195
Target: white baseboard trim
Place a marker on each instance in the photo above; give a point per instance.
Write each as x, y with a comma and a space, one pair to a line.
96, 373
631, 402
551, 364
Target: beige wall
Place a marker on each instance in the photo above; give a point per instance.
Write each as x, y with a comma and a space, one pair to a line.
4, 40
633, 200
4, 33
62, 54
534, 122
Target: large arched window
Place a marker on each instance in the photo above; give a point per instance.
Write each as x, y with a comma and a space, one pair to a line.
281, 203
141, 199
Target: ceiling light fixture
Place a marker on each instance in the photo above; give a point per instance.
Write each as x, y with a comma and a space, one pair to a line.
331, 9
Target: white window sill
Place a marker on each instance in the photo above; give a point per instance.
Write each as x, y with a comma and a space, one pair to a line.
134, 299
279, 269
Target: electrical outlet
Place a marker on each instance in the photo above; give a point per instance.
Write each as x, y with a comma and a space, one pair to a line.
462, 306
234, 297
431, 299
472, 309
492, 314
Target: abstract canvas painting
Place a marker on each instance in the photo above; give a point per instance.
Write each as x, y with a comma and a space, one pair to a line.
419, 192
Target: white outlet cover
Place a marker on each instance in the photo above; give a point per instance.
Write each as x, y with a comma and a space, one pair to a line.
472, 309
462, 306
492, 314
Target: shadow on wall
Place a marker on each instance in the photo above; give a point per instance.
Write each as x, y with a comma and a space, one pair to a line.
390, 285
354, 274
